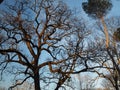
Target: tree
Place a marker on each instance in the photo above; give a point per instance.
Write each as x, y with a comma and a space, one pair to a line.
37, 42
98, 9
110, 59
27, 36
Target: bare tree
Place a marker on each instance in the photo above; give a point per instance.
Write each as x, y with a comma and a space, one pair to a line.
42, 41
29, 30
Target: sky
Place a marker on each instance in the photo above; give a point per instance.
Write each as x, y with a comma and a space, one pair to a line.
77, 5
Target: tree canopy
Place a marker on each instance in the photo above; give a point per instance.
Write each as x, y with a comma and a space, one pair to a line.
97, 8
1, 1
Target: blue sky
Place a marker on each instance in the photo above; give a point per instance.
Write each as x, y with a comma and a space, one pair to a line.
116, 8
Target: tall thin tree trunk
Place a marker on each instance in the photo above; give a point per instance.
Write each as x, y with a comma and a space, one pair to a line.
105, 32
36, 80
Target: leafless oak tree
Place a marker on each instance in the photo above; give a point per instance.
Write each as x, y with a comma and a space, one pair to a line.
43, 41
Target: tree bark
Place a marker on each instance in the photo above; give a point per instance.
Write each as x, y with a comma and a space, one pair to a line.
60, 82
116, 84
36, 80
58, 86
105, 32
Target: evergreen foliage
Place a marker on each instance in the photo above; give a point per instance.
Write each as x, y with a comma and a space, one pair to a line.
97, 8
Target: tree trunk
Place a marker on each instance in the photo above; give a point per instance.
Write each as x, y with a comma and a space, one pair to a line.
36, 80
116, 84
58, 86
105, 32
